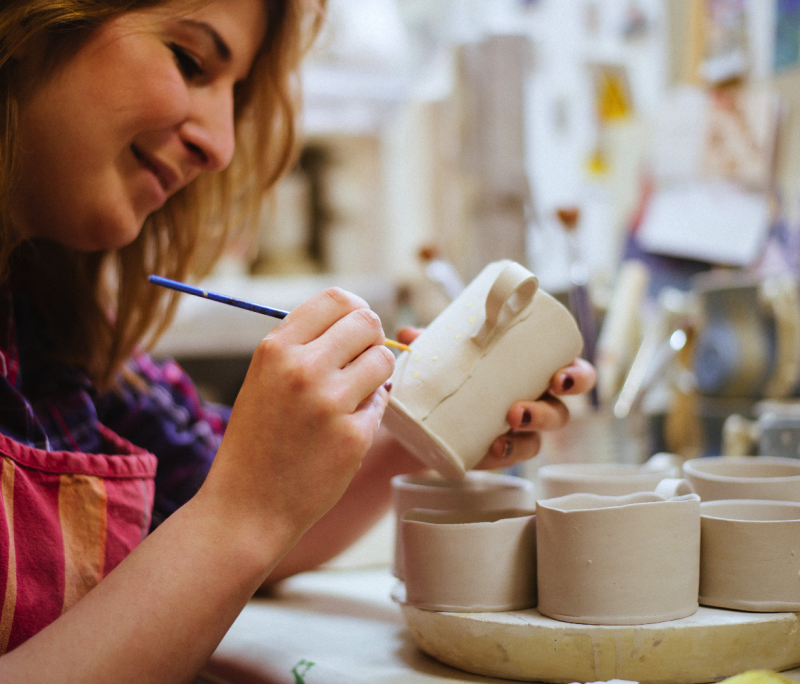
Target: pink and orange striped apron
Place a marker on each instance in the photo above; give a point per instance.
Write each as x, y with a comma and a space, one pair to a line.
66, 520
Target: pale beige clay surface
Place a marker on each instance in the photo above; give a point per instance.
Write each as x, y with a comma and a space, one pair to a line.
750, 555
624, 560
606, 479
525, 645
470, 560
744, 477
476, 491
499, 342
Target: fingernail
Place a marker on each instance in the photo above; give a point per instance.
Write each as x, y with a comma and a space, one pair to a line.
567, 383
507, 451
387, 386
526, 418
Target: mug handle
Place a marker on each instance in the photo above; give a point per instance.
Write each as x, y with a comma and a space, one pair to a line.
513, 289
672, 486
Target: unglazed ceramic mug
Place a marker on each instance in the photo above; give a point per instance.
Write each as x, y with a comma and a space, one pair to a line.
779, 435
499, 342
619, 560
606, 479
750, 555
744, 477
476, 491
470, 561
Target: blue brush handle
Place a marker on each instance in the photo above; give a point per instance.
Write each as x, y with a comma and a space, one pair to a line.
223, 299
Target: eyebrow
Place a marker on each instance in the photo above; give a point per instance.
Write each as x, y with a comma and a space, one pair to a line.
223, 51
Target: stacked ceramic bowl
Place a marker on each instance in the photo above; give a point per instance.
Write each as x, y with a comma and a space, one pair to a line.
472, 544
465, 545
750, 531
607, 544
617, 544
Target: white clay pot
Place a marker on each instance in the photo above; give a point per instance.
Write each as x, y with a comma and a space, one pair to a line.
744, 477
606, 479
476, 491
498, 342
470, 561
626, 560
750, 555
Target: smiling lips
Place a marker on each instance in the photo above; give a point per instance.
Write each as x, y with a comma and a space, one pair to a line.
169, 180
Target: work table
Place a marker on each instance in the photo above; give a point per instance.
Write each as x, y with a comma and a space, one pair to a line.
341, 620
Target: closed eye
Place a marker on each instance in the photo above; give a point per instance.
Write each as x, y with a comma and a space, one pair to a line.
188, 65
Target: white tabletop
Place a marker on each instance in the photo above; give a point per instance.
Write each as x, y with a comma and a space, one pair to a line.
343, 621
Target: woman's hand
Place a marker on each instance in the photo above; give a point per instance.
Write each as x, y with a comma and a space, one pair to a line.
306, 415
527, 419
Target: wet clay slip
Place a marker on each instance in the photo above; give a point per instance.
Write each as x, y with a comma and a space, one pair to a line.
476, 491
499, 342
606, 479
470, 561
624, 560
744, 477
750, 555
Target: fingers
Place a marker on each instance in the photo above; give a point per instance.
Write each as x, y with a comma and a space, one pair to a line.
511, 448
368, 371
350, 336
310, 320
547, 413
576, 378
523, 441
407, 335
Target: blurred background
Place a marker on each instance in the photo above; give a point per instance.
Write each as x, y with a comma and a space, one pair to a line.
641, 157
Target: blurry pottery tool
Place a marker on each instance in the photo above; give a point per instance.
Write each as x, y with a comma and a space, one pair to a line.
441, 272
662, 339
649, 365
241, 304
621, 331
579, 300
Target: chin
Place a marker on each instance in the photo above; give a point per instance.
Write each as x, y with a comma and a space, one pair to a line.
114, 234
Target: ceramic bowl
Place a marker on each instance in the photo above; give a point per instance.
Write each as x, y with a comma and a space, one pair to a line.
478, 490
470, 561
619, 560
606, 479
750, 555
744, 477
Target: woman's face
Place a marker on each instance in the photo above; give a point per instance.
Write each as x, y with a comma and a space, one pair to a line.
135, 115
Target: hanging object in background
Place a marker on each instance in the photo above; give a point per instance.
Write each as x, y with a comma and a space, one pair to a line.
613, 104
580, 301
741, 136
636, 23
612, 92
712, 161
724, 41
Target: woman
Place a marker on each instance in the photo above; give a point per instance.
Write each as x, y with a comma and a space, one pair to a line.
129, 126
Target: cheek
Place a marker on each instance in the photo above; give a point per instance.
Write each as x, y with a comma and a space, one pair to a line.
149, 103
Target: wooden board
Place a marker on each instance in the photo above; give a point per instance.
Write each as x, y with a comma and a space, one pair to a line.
524, 645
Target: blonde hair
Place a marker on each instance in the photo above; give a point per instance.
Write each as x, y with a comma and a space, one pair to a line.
102, 320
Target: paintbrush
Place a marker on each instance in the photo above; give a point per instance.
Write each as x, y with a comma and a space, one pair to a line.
241, 304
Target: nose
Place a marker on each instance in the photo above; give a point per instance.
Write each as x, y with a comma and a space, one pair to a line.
208, 132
